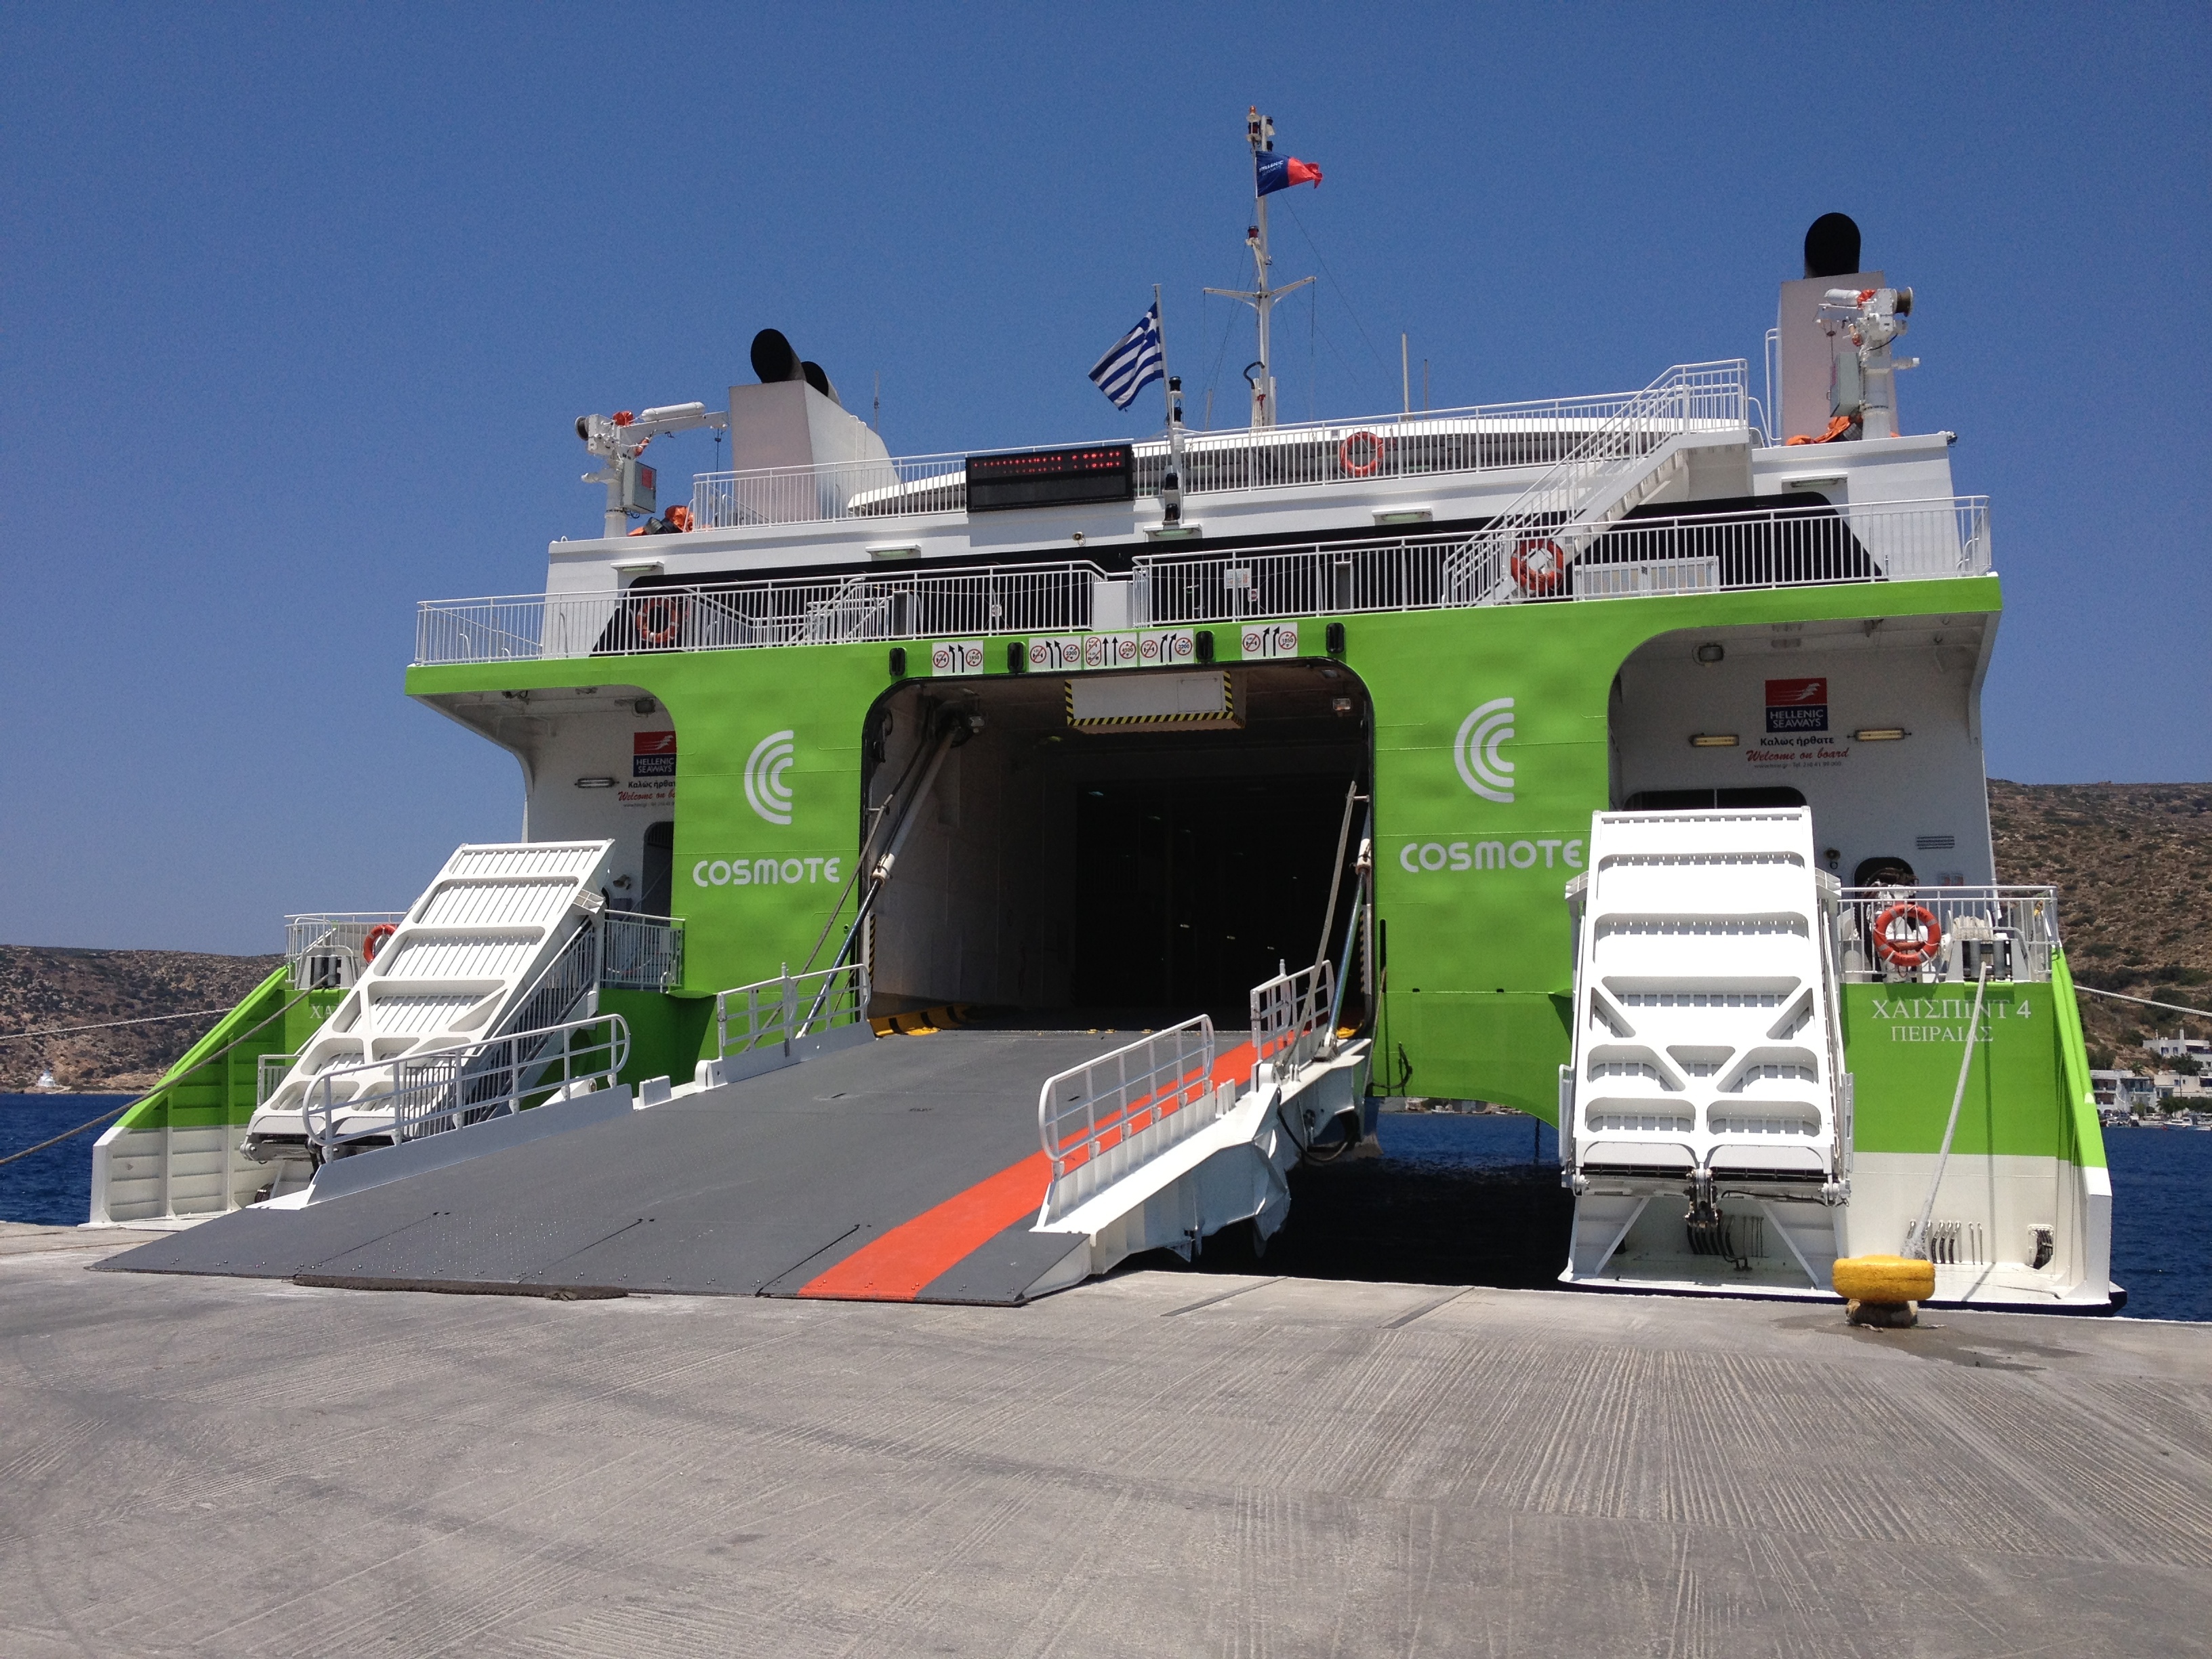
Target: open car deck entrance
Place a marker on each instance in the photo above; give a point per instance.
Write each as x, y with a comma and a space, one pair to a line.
1151, 866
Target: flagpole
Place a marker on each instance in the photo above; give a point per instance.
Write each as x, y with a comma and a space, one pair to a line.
1160, 325
1171, 390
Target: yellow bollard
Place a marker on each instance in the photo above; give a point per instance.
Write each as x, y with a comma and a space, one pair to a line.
1883, 1290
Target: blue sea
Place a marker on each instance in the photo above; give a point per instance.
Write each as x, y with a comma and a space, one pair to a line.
54, 1186
2161, 1183
1466, 1141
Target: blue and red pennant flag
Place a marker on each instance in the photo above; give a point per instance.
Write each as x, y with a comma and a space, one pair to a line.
1281, 171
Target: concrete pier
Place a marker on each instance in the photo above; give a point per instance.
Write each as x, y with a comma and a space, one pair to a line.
1162, 1463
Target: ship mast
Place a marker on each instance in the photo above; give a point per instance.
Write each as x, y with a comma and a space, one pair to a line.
1260, 133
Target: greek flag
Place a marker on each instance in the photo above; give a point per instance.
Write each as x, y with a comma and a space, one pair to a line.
1135, 362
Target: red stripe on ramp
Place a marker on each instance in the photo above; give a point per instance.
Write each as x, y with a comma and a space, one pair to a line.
895, 1268
1235, 1065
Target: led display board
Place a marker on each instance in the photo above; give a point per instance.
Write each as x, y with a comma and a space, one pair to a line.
1052, 477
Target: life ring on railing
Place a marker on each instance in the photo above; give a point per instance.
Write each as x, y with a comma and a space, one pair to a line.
1916, 946
1540, 565
1368, 468
659, 620
373, 940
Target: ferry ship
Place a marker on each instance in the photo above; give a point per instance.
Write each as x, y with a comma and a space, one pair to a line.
1121, 821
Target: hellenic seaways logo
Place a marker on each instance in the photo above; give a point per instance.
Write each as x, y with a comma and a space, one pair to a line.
1797, 705
652, 755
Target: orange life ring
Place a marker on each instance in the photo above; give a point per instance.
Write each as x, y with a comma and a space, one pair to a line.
1907, 952
373, 940
1547, 577
1368, 468
670, 611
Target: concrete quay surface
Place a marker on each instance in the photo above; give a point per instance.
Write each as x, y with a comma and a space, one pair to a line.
1162, 1463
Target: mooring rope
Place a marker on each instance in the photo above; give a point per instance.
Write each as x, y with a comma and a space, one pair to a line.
2122, 996
111, 1024
1916, 1242
104, 1118
206, 1061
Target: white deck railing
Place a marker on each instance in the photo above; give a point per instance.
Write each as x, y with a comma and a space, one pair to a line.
1797, 546
841, 489
1778, 547
739, 615
1544, 432
1098, 1121
1291, 1015
1880, 931
638, 952
783, 1010
324, 951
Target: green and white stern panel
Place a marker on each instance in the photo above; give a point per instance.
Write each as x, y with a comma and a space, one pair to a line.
1771, 1072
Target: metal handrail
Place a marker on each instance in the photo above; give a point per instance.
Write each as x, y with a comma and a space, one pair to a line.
571, 975
2016, 928
323, 951
1575, 488
1162, 1082
791, 1006
1793, 546
639, 952
269, 1076
839, 610
1484, 437
1291, 1018
1775, 547
466, 1083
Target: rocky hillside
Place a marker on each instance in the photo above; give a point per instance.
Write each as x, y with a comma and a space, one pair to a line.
2133, 863
42, 988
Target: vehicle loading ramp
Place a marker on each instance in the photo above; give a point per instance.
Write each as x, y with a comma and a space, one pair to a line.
905, 1168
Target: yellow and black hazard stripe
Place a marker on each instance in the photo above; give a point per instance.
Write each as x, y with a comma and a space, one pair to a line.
923, 1022
1226, 712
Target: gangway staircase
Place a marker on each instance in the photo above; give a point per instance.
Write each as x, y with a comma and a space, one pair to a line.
1694, 413
500, 943
1705, 1117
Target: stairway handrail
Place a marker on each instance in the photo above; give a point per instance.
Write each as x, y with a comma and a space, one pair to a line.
1537, 505
318, 1099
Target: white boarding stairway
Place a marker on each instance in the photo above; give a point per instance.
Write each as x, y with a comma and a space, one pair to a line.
488, 948
1630, 457
1705, 1117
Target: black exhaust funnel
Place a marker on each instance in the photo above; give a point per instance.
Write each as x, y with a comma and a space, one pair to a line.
773, 358
1831, 248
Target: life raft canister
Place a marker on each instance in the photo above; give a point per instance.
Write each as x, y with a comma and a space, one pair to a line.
659, 621
1916, 946
1540, 565
373, 940
1371, 446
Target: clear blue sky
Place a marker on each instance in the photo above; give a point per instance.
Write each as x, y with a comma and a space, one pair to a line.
298, 305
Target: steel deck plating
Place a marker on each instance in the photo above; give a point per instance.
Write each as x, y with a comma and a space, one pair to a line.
929, 1145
